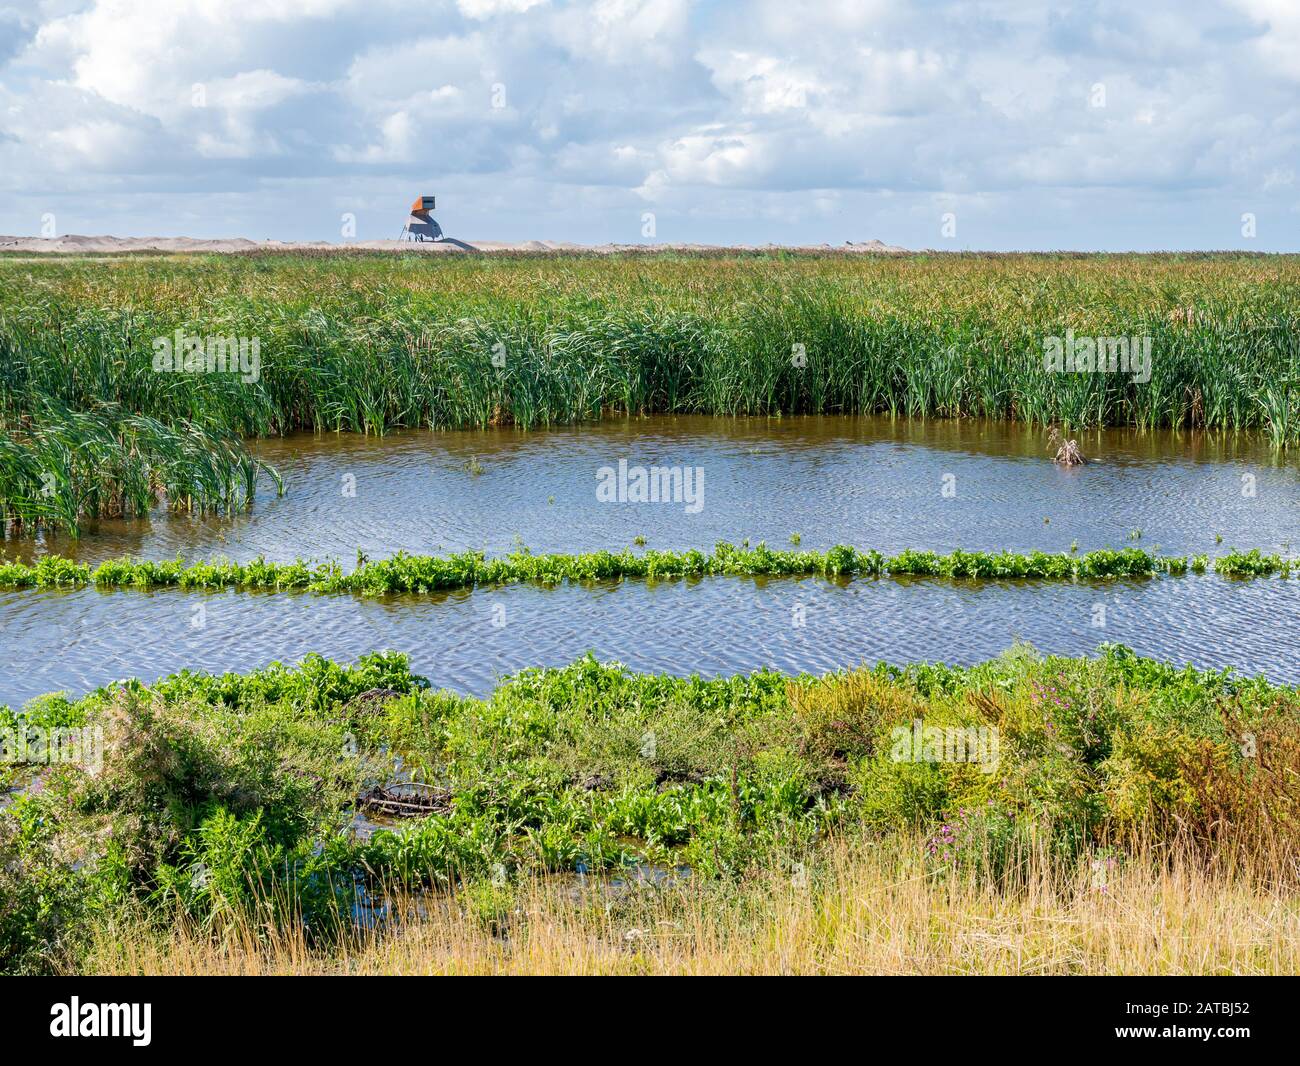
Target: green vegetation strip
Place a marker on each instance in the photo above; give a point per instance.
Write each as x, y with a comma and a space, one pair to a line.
216, 796
427, 573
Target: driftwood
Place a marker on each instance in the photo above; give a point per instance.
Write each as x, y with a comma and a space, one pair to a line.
1067, 451
1068, 454
408, 799
372, 700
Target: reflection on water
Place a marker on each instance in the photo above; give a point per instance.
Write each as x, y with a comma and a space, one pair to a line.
872, 482
715, 626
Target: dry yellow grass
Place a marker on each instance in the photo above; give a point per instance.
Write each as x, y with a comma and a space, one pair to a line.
865, 909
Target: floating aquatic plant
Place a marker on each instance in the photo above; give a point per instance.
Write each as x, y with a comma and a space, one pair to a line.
404, 573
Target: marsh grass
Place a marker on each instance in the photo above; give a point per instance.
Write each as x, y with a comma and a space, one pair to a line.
367, 344
859, 907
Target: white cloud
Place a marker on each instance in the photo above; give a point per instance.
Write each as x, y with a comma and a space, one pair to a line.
1279, 43
578, 112
254, 89
484, 9
396, 139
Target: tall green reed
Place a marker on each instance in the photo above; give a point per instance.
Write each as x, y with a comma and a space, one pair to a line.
368, 343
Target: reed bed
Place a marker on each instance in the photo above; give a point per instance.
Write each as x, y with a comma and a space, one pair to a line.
427, 573
369, 343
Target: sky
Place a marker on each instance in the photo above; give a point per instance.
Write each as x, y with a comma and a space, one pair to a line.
999, 125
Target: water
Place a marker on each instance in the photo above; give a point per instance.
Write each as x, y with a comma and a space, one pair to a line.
866, 481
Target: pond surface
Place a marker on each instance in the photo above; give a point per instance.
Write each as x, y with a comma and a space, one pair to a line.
872, 482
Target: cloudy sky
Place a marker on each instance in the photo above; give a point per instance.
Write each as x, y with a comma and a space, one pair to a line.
1087, 125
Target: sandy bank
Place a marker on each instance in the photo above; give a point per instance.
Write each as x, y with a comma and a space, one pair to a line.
79, 244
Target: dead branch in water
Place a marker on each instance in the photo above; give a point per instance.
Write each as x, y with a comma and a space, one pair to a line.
408, 799
1067, 451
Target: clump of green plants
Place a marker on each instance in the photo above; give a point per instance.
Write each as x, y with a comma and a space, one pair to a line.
229, 800
424, 573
